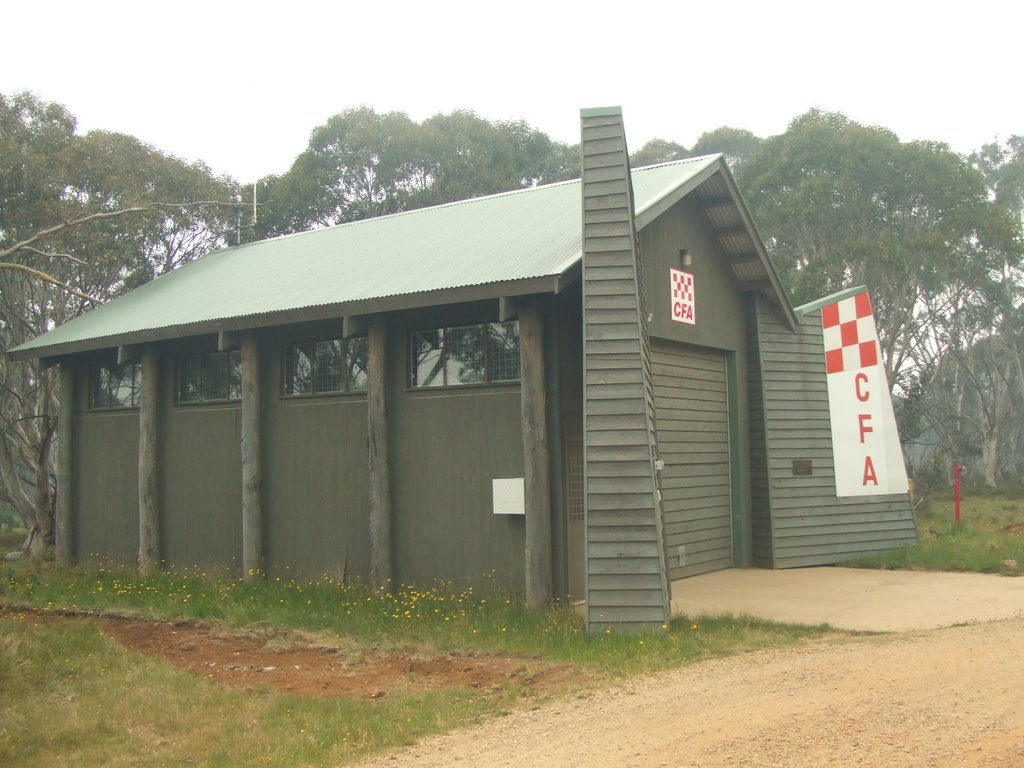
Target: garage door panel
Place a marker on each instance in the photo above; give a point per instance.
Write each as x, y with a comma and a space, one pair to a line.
679, 471
691, 400
702, 542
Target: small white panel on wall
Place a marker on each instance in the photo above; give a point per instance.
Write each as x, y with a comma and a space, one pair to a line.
509, 496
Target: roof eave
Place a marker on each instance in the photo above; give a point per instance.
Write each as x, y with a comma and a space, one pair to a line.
553, 283
673, 195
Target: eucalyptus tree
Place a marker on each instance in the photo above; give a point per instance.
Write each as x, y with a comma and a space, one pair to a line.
737, 144
842, 204
1002, 165
658, 151
362, 163
82, 218
461, 155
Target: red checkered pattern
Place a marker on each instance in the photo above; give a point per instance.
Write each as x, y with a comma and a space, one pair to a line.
682, 286
851, 341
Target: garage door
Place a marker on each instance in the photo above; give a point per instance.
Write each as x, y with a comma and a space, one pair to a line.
692, 402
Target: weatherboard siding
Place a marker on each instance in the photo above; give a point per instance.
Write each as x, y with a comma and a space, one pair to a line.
760, 489
809, 524
626, 580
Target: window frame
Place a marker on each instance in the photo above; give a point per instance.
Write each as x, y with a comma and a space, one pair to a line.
234, 360
488, 379
95, 374
314, 372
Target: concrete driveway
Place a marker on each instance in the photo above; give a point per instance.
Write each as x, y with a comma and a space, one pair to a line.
852, 598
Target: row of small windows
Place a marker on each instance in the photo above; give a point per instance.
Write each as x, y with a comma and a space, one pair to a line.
441, 357
470, 354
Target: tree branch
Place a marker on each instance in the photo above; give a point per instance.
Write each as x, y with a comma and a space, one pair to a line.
75, 221
39, 252
47, 279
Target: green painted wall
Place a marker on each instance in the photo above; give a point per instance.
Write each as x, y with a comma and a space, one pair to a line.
760, 490
315, 471
200, 474
104, 526
721, 324
567, 454
446, 447
719, 306
809, 524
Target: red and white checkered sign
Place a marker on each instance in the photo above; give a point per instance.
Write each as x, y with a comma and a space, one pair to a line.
851, 341
683, 307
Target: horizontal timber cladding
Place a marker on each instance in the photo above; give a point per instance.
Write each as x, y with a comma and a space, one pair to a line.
625, 568
809, 524
691, 396
105, 476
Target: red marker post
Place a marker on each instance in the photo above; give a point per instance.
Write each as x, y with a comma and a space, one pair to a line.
956, 493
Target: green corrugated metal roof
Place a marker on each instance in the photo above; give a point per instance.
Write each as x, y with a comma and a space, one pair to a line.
425, 256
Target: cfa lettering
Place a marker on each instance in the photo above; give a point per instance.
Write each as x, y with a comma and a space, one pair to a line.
864, 424
682, 311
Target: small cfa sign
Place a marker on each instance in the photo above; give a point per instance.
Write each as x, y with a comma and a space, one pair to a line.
683, 309
865, 441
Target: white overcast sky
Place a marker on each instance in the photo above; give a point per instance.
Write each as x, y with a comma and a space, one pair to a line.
240, 85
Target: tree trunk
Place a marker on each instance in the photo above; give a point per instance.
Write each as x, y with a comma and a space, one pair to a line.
990, 459
252, 467
65, 440
149, 513
379, 464
537, 473
41, 537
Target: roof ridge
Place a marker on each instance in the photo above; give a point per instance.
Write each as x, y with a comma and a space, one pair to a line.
453, 203
396, 214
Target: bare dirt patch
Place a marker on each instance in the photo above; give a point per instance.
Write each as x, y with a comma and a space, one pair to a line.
299, 663
1014, 529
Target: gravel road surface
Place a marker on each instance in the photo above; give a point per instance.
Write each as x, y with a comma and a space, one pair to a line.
936, 698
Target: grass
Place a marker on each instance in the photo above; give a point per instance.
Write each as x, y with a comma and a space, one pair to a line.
434, 620
102, 704
989, 538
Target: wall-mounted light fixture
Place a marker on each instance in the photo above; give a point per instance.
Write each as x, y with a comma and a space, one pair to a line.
685, 257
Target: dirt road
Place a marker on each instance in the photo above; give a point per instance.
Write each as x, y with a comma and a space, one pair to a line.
942, 698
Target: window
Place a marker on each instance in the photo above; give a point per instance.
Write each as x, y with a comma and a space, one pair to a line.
116, 386
471, 354
210, 377
320, 367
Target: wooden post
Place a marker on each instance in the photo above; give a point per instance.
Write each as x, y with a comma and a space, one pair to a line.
537, 474
65, 455
149, 511
252, 461
380, 470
